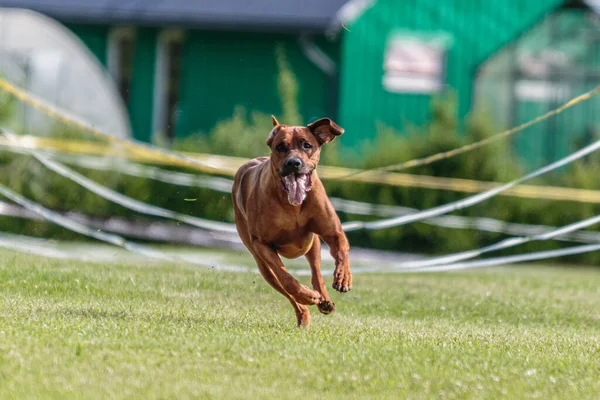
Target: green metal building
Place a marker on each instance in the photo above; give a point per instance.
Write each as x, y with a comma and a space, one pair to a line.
467, 33
183, 66
398, 55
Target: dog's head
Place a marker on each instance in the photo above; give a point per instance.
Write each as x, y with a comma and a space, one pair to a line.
295, 152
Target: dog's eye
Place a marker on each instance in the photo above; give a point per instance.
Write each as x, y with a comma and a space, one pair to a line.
281, 148
306, 146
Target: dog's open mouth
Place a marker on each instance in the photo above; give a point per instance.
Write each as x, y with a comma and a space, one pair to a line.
296, 186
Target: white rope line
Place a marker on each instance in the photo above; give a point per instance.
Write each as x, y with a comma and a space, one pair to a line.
142, 171
96, 234
385, 267
88, 253
471, 200
504, 244
506, 260
11, 243
348, 206
223, 227
126, 201
72, 225
458, 222
41, 247
382, 267
51, 248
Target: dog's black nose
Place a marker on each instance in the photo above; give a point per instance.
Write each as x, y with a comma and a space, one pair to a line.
293, 164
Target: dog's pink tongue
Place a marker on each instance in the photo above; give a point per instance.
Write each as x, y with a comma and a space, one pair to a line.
296, 185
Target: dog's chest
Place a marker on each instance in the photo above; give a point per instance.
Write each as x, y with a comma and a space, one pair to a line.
280, 226
291, 240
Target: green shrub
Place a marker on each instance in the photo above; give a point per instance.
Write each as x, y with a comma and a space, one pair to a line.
7, 105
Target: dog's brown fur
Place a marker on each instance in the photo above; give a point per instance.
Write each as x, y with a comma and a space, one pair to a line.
270, 226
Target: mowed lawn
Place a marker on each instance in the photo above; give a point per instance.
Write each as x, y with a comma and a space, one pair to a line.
150, 331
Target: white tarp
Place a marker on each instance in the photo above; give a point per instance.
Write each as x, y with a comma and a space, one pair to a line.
44, 57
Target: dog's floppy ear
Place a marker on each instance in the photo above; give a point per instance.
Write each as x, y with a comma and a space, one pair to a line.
325, 130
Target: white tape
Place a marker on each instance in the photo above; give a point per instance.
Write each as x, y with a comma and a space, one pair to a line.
496, 261
155, 231
126, 201
141, 171
8, 241
98, 254
347, 206
104, 237
458, 222
52, 249
504, 244
469, 201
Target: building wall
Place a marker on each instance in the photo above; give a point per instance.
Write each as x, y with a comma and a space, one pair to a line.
222, 70
477, 30
95, 38
140, 104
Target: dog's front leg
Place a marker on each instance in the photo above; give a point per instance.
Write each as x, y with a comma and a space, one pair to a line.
326, 306
339, 248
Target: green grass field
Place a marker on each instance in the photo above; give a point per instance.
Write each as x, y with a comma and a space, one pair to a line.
145, 331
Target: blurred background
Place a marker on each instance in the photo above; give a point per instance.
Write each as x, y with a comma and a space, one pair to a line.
404, 78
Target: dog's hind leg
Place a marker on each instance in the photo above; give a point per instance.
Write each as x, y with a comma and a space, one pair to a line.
302, 313
313, 256
299, 292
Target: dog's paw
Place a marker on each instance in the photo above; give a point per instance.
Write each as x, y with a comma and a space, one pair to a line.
342, 280
326, 307
308, 296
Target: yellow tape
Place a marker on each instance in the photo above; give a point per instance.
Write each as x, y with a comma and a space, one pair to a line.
228, 165
225, 165
64, 117
475, 145
180, 159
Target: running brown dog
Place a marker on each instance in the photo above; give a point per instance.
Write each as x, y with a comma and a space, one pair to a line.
281, 209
